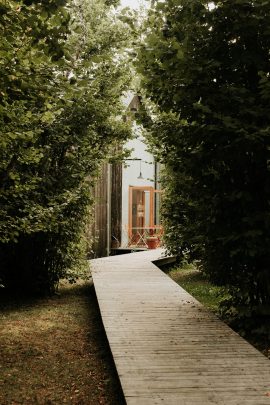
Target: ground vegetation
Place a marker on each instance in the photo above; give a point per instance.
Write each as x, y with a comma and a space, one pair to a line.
44, 361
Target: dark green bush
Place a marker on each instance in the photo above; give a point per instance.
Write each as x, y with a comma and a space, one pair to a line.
61, 85
206, 70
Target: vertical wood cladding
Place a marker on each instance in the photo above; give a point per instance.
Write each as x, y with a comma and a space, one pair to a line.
100, 217
116, 203
100, 214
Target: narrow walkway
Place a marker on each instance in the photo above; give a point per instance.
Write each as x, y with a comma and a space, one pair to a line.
167, 348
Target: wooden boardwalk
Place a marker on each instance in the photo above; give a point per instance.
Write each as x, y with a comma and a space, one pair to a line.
167, 348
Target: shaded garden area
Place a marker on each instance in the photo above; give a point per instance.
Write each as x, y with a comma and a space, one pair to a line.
205, 72
202, 74
212, 296
54, 351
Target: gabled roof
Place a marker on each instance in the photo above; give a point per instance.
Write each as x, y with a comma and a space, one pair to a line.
131, 100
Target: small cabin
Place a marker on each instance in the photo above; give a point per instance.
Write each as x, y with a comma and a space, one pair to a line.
128, 198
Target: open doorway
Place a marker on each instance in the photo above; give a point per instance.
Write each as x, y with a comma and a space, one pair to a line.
144, 218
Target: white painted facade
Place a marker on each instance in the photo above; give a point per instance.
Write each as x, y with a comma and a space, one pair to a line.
143, 163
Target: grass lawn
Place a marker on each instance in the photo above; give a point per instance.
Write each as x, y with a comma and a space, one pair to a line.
54, 351
196, 283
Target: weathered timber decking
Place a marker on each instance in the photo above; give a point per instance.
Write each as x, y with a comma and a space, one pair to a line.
167, 348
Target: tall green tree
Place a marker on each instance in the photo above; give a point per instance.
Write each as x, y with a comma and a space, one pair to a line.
206, 67
61, 76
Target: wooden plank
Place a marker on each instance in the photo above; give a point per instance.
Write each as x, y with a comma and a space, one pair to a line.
167, 348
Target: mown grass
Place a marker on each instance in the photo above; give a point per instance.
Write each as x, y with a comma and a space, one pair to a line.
197, 284
54, 351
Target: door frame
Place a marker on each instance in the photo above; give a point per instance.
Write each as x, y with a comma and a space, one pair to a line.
152, 191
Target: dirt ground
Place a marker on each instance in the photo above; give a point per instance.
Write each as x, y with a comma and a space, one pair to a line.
55, 351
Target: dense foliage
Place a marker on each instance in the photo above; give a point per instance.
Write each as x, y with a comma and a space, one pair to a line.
206, 68
60, 85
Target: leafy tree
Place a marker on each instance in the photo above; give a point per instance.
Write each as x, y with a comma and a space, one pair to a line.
61, 81
206, 67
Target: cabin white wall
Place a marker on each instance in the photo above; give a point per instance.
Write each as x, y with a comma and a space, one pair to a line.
130, 176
